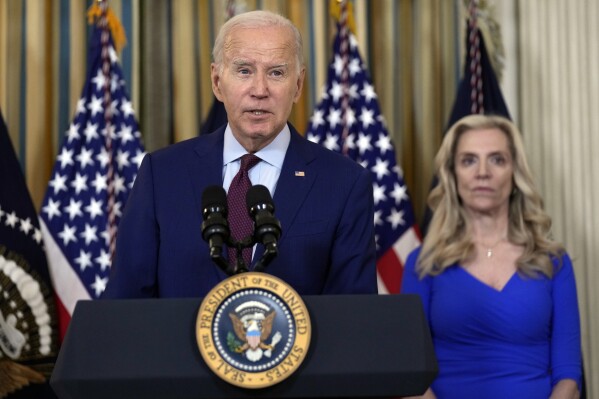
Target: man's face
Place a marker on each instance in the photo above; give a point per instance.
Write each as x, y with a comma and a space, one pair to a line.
258, 82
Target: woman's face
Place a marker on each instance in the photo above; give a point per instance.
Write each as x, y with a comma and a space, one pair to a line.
484, 171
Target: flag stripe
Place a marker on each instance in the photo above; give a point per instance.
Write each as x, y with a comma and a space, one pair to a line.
389, 272
406, 243
67, 284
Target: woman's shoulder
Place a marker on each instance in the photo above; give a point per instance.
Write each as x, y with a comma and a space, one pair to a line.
414, 254
412, 259
562, 264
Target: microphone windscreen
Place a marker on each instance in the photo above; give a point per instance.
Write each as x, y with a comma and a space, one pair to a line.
258, 194
214, 196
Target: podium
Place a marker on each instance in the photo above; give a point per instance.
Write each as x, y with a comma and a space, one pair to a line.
362, 346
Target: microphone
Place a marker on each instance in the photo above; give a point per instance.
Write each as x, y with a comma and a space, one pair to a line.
215, 229
267, 226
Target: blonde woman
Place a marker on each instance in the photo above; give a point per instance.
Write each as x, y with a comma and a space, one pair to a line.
499, 293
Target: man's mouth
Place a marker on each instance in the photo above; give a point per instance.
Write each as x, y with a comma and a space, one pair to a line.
258, 112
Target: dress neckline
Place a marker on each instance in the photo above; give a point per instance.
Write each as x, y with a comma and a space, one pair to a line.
479, 281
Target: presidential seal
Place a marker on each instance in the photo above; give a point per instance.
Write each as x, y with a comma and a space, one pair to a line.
253, 330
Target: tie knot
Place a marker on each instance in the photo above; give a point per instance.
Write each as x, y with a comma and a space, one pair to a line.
248, 161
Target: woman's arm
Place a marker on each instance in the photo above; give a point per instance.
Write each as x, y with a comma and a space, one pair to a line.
566, 358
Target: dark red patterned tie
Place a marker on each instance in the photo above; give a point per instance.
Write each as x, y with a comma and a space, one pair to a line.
240, 223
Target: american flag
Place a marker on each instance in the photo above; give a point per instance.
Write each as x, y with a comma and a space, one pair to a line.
91, 180
348, 120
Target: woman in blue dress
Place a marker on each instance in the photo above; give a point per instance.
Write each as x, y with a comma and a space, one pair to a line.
499, 293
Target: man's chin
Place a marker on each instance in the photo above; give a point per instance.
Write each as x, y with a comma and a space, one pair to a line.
259, 130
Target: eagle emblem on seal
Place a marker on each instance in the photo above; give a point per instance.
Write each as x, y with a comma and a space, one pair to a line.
253, 323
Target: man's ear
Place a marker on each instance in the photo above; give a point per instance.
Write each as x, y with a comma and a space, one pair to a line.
300, 84
215, 78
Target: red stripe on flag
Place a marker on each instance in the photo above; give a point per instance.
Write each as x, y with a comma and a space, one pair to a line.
64, 318
390, 270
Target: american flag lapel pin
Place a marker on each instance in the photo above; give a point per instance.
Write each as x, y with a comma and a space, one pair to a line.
300, 173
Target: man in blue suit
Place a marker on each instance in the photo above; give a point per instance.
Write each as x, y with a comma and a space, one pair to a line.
323, 200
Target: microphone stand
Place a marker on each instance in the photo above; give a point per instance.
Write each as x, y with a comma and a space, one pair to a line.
215, 230
271, 250
240, 266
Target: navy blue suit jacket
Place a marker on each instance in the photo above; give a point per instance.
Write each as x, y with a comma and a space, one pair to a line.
327, 241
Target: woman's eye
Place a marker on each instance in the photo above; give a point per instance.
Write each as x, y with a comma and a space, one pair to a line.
498, 160
467, 161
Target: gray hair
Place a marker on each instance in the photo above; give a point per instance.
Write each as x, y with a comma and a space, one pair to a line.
256, 19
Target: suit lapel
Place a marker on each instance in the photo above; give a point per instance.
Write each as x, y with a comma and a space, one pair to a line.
206, 166
296, 179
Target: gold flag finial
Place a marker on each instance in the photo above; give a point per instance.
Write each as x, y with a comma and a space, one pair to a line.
116, 29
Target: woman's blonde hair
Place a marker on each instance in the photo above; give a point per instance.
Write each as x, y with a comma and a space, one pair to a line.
449, 240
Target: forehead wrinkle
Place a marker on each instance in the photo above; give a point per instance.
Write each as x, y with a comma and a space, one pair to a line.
283, 50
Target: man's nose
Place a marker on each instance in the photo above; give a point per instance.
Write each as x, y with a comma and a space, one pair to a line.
260, 88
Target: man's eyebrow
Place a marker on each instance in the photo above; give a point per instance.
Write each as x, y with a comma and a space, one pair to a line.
241, 62
284, 65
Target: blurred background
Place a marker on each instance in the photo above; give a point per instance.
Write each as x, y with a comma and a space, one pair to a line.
545, 54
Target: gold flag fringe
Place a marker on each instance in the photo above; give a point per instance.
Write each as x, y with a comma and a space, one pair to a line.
116, 29
335, 11
491, 32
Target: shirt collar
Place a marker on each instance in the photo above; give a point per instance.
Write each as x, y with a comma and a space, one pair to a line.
273, 153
